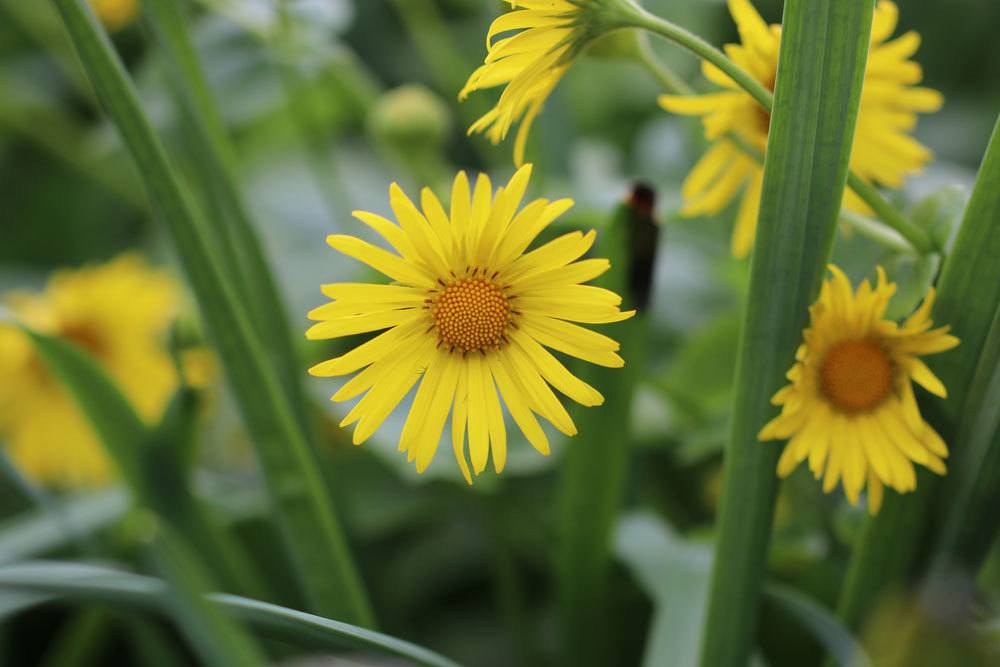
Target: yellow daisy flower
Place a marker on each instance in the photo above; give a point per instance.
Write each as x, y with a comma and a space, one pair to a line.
850, 407
883, 152
550, 34
118, 312
115, 14
468, 316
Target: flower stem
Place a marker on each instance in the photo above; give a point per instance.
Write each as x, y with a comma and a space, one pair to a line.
665, 76
640, 18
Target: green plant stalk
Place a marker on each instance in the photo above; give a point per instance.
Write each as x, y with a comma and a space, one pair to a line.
823, 56
591, 485
968, 294
89, 583
234, 235
311, 529
665, 76
637, 17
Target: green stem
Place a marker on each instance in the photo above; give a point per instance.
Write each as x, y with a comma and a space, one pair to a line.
640, 18
665, 76
875, 231
917, 236
312, 531
823, 55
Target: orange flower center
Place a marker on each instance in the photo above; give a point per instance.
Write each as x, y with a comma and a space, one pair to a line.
472, 314
856, 375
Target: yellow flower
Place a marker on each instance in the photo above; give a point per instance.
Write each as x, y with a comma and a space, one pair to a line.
468, 313
850, 407
883, 152
115, 14
117, 312
551, 34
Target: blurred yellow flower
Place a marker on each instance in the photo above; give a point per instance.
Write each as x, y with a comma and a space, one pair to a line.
118, 312
115, 14
883, 152
468, 314
550, 35
850, 407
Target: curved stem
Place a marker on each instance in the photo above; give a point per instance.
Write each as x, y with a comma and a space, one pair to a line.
920, 239
640, 18
665, 76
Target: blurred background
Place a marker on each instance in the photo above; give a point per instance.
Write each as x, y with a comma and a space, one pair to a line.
327, 104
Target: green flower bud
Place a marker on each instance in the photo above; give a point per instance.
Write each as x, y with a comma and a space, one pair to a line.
410, 119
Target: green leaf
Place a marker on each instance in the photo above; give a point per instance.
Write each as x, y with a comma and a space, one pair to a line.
233, 232
116, 423
90, 583
313, 536
968, 296
824, 46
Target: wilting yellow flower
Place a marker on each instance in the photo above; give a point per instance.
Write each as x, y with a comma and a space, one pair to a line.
850, 407
883, 152
115, 14
550, 35
468, 314
118, 312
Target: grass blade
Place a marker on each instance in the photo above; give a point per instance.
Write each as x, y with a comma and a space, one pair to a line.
968, 295
234, 234
824, 49
116, 423
312, 531
83, 582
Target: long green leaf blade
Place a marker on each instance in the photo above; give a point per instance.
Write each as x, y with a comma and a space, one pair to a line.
76, 581
118, 426
824, 48
312, 531
234, 234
